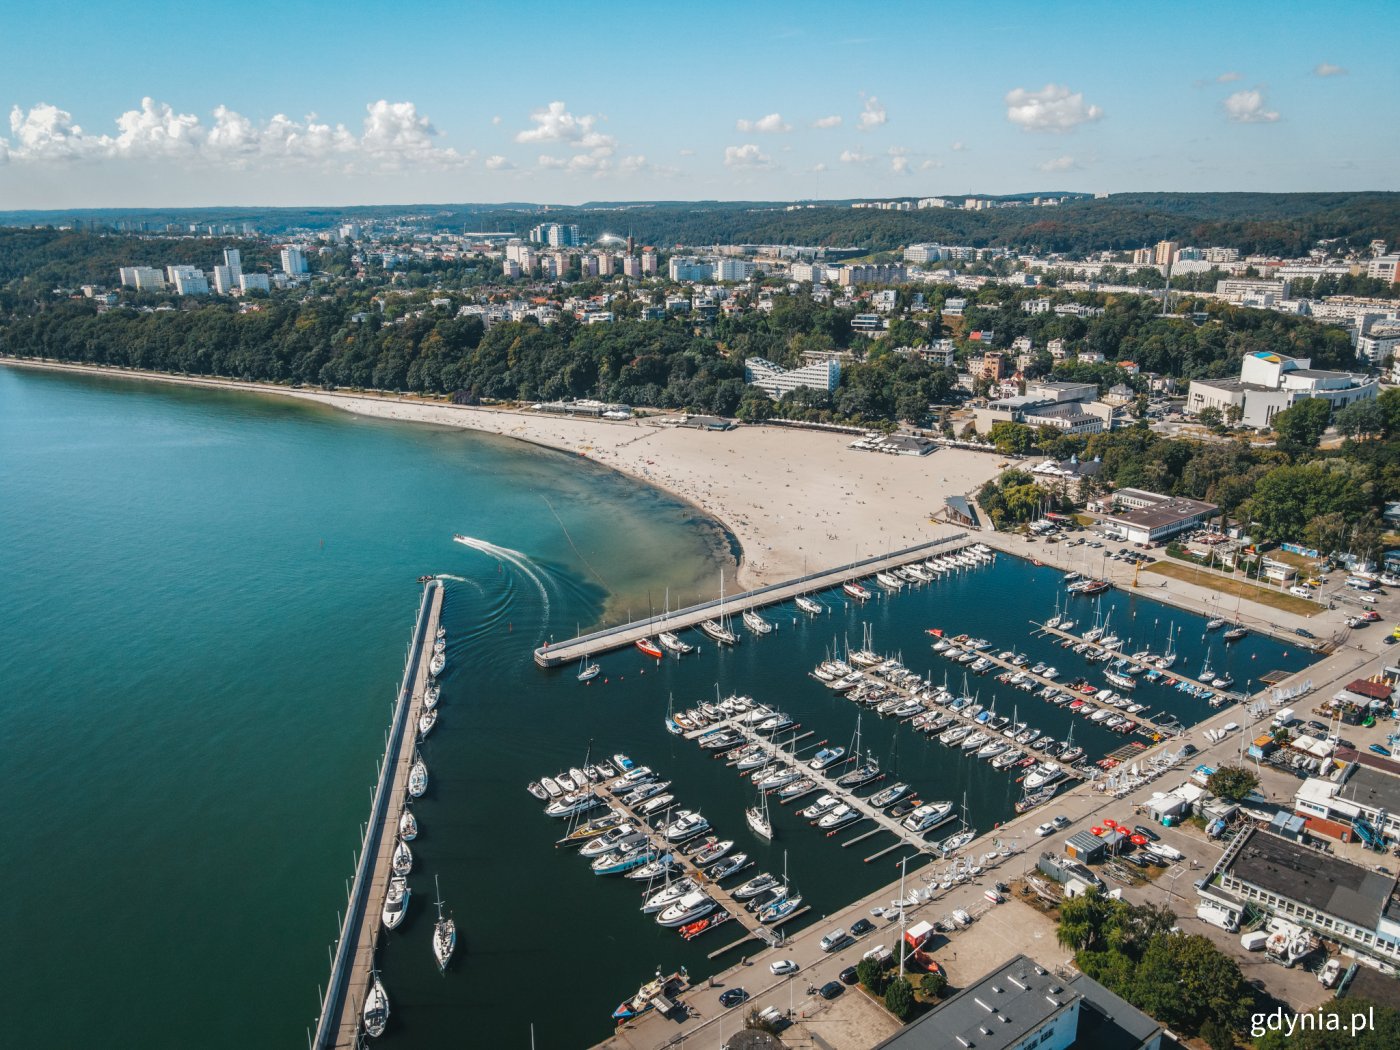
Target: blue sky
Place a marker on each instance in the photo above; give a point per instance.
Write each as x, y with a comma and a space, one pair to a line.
352, 102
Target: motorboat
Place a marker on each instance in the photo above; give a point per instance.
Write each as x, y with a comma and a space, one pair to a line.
775, 723
756, 885
567, 781
668, 895
396, 899
634, 777
726, 867
539, 792
711, 853
688, 908
780, 777
827, 756
649, 647
672, 643
551, 787
426, 721
808, 605
402, 861
645, 791
653, 869
621, 861
839, 817
610, 840
820, 806
623, 763
375, 1014
905, 806
992, 749
418, 778
686, 826
928, 816
408, 825
645, 998
856, 591
576, 802
756, 623
656, 804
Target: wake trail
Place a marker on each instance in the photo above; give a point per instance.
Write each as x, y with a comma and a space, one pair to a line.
516, 558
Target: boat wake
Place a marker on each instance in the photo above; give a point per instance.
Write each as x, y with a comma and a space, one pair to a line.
514, 558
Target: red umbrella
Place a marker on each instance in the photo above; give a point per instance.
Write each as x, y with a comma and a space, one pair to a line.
1109, 822
1139, 840
1097, 830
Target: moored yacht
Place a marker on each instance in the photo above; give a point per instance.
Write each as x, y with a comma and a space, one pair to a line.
649, 647
756, 623
928, 816
673, 643
418, 778
808, 605
686, 826
668, 895
395, 902
855, 590
690, 907
720, 633
402, 861
376, 1010
827, 756
756, 885
408, 825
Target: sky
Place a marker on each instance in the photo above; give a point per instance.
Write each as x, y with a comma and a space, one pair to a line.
162, 104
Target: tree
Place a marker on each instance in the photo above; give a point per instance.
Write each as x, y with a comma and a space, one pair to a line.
1301, 427
1012, 439
1362, 419
934, 984
899, 998
1085, 921
1232, 783
1217, 1034
871, 973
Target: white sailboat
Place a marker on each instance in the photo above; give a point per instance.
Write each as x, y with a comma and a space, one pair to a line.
376, 1010
444, 933
719, 629
759, 821
587, 671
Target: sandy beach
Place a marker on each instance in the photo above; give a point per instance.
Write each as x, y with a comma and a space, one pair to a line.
795, 499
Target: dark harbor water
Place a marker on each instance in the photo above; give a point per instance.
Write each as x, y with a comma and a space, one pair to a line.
207, 599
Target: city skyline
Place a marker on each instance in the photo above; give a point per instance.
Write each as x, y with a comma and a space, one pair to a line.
151, 109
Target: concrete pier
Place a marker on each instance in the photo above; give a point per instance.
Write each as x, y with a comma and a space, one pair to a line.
589, 645
339, 1023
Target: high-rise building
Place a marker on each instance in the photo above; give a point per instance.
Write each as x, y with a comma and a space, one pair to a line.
733, 269
253, 282
604, 264
188, 280
224, 281
556, 235
690, 269
233, 259
650, 262
142, 278
631, 266
1165, 252
293, 261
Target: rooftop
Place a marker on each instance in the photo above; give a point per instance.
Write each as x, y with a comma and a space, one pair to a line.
1348, 891
1167, 512
1372, 788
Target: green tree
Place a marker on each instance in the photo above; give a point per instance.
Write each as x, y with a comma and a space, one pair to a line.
1384, 1036
1217, 1034
1012, 439
1300, 428
871, 973
899, 998
933, 984
1362, 419
1232, 783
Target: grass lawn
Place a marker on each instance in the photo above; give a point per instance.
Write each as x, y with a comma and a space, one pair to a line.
1242, 588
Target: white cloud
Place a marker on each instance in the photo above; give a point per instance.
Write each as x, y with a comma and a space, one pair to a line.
854, 156
686, 152
1053, 108
392, 134
496, 162
899, 160
1229, 77
872, 116
746, 156
496, 120
833, 121
1249, 107
772, 124
1327, 69
546, 161
554, 123
818, 167
1064, 162
930, 164
959, 146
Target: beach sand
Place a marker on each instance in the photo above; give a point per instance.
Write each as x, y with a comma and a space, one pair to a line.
796, 500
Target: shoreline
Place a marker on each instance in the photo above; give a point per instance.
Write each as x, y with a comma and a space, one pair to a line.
790, 500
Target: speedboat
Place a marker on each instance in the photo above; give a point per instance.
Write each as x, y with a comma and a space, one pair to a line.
578, 802
376, 1010
418, 778
402, 862
756, 885
649, 647
610, 840
623, 860
838, 817
539, 792
726, 867
889, 796
690, 907
395, 902
408, 825
775, 723
656, 804
551, 787
827, 756
712, 852
634, 777
821, 806
928, 816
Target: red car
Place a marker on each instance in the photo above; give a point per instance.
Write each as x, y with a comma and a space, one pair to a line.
1371, 616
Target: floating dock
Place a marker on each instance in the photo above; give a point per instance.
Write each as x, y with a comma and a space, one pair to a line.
339, 1023
621, 637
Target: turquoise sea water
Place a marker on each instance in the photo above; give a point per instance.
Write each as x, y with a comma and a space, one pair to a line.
206, 602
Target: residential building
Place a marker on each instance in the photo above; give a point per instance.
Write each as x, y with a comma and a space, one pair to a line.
1345, 902
233, 260
510, 269
684, 268
187, 280
1058, 351
224, 282
993, 365
1139, 516
868, 324
923, 253
293, 261
1384, 268
1380, 341
603, 264
1035, 306
253, 282
803, 271
1270, 383
939, 353
1249, 291
733, 269
954, 306
142, 278
556, 235
850, 276
776, 381
650, 262
1020, 1005
631, 266
1164, 252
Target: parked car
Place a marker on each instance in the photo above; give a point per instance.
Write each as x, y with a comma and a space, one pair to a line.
783, 966
732, 997
847, 976
1060, 821
1146, 832
861, 927
831, 990
1045, 829
1316, 727
1303, 632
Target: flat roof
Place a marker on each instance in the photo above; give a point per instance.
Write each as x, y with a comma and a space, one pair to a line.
1348, 891
1371, 984
1168, 512
1107, 1021
1371, 787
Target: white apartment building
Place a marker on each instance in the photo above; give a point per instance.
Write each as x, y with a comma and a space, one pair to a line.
556, 235
253, 282
684, 268
187, 280
224, 282
1035, 306
293, 261
733, 269
1251, 291
1384, 268
776, 381
814, 272
142, 278
923, 253
1270, 383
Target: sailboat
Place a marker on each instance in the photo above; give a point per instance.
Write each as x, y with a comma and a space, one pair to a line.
376, 1011
759, 821
963, 837
756, 623
808, 604
587, 671
719, 629
1170, 658
1238, 631
670, 641
444, 934
783, 906
418, 777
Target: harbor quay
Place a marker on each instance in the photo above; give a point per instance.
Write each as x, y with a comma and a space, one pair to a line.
353, 961
619, 637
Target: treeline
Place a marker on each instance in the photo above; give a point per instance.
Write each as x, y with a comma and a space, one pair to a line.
1329, 499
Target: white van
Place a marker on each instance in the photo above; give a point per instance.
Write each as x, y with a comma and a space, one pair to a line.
1301, 592
1368, 599
837, 938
